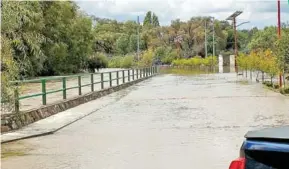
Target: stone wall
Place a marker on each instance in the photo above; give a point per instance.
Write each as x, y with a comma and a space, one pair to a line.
18, 120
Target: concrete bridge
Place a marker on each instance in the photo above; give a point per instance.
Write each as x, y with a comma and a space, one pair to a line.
165, 122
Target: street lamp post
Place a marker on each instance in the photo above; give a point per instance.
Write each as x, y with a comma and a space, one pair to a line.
233, 18
213, 37
138, 38
279, 36
206, 48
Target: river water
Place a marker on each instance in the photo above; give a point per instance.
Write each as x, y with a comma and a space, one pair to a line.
170, 121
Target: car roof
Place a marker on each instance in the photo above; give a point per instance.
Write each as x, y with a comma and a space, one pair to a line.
280, 133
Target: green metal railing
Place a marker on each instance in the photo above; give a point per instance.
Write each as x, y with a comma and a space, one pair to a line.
139, 73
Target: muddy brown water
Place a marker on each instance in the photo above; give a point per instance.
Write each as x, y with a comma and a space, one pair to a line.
167, 122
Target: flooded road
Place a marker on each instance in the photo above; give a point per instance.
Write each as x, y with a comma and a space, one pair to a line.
167, 122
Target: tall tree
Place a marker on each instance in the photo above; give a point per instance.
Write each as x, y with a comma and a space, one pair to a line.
148, 19
22, 25
122, 44
155, 20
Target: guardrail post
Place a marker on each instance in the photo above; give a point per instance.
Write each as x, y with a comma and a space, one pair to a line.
110, 80
123, 77
92, 82
128, 74
43, 84
64, 87
16, 98
117, 78
79, 85
132, 74
101, 80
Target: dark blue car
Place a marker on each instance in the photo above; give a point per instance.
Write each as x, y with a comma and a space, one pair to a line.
264, 149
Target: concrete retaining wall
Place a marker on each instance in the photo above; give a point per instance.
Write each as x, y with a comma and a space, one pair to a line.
17, 120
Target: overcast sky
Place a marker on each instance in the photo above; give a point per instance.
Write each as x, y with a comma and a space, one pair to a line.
260, 13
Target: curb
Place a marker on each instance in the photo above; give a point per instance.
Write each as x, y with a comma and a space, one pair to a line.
51, 131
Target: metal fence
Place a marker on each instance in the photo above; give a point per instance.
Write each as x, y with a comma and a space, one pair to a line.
121, 76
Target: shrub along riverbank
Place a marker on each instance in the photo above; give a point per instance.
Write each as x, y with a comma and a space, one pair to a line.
275, 87
267, 63
196, 61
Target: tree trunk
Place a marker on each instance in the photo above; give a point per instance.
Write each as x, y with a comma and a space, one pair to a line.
257, 76
284, 80
262, 76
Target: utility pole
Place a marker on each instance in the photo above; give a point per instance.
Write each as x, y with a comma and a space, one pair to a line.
206, 49
213, 36
279, 19
279, 36
138, 38
213, 43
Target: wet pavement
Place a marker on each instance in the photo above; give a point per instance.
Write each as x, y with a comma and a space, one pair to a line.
166, 122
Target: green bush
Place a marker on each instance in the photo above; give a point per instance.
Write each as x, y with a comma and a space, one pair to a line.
170, 56
160, 53
146, 58
284, 90
127, 61
276, 86
9, 72
121, 62
97, 61
268, 84
196, 61
115, 62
